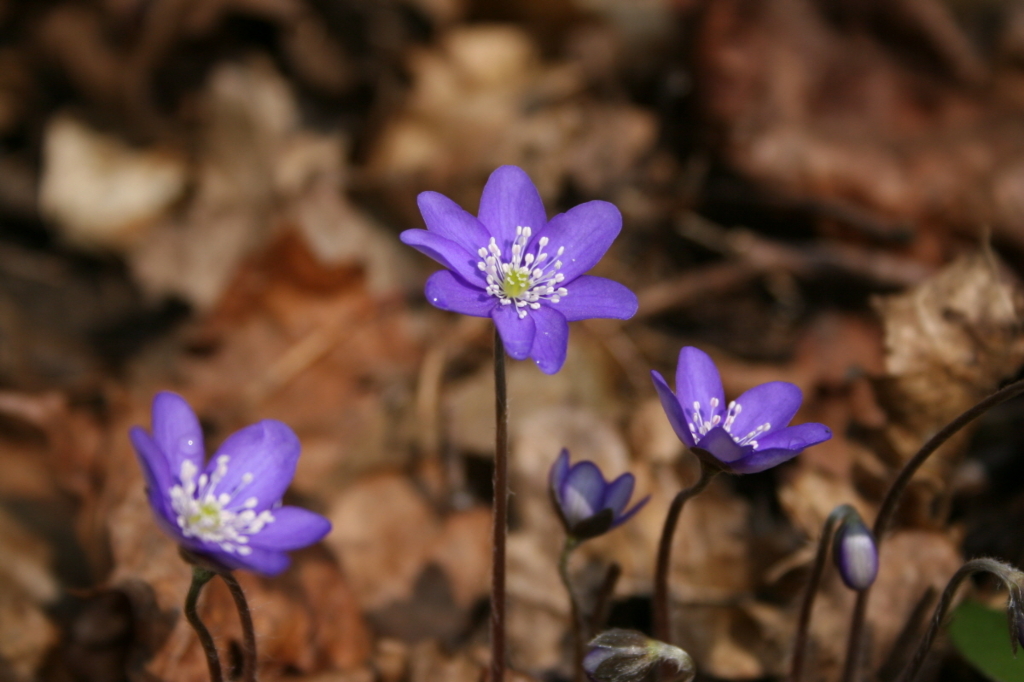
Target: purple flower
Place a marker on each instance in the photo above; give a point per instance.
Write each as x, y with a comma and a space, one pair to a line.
515, 266
855, 552
228, 510
587, 504
748, 435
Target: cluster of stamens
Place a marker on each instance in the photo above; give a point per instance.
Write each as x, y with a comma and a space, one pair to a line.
202, 514
526, 278
700, 426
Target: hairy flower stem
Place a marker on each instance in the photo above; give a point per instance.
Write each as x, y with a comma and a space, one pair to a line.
578, 634
500, 514
942, 608
891, 503
248, 632
803, 624
662, 627
201, 576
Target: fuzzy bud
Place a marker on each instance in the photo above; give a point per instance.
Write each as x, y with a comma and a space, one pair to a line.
631, 656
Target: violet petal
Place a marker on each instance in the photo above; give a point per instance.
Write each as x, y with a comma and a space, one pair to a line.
559, 470
586, 231
591, 297
774, 403
292, 528
268, 451
510, 200
448, 292
447, 253
176, 431
516, 333
674, 412
795, 437
447, 219
719, 443
626, 516
159, 480
618, 492
759, 460
582, 492
551, 339
267, 562
698, 381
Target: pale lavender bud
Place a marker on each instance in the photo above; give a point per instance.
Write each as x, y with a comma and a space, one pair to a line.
855, 552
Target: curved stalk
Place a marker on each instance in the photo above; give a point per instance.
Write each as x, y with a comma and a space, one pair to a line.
804, 621
891, 503
662, 625
201, 576
578, 635
248, 632
1002, 571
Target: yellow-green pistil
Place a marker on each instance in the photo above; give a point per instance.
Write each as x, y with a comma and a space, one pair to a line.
525, 280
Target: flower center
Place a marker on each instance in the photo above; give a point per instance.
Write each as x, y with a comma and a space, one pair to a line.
203, 515
700, 424
526, 278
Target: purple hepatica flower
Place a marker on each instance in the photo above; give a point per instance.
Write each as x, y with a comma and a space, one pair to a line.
515, 266
855, 553
228, 511
588, 505
748, 435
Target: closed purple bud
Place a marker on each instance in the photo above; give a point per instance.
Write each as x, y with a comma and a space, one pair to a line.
588, 504
855, 553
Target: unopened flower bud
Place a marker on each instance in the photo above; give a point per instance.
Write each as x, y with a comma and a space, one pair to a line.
855, 552
631, 656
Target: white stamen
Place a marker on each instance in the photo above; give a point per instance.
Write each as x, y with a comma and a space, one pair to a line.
204, 515
524, 280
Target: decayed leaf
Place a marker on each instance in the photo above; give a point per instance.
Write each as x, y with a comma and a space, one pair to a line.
949, 342
101, 192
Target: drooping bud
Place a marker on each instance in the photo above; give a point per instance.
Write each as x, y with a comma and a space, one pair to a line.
630, 656
855, 552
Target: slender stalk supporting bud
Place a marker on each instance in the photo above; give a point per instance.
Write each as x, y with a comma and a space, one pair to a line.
500, 514
662, 623
201, 576
804, 621
1012, 578
891, 503
578, 634
631, 656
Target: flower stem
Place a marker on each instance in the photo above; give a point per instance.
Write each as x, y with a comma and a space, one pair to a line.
578, 635
942, 608
662, 626
248, 632
201, 576
803, 623
500, 514
891, 503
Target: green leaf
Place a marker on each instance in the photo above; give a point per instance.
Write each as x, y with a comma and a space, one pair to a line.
981, 636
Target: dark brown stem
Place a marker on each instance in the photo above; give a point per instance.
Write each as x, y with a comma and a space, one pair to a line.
201, 576
602, 602
942, 608
578, 635
248, 632
662, 628
804, 622
890, 505
500, 516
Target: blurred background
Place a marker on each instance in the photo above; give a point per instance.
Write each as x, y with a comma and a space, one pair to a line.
205, 196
